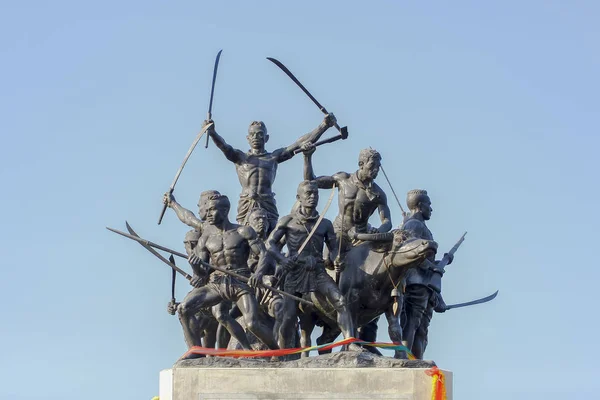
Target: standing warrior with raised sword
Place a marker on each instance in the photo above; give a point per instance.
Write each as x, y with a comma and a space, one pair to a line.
257, 168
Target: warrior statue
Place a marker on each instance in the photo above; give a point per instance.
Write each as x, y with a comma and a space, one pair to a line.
423, 285
358, 198
203, 325
304, 269
228, 246
270, 302
257, 168
358, 195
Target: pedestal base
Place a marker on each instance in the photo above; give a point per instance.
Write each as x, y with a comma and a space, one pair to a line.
213, 378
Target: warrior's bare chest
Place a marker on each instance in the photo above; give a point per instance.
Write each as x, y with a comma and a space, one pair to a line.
258, 164
357, 198
226, 241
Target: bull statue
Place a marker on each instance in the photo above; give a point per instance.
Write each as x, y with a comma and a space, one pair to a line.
371, 283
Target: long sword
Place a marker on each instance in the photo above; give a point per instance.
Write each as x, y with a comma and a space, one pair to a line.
343, 130
471, 303
212, 92
185, 159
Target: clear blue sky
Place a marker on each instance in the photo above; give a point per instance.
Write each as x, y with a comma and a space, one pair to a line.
493, 108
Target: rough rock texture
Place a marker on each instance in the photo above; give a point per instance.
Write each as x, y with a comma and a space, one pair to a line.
345, 359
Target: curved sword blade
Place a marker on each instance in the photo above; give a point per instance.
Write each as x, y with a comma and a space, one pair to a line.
185, 159
292, 77
471, 303
212, 89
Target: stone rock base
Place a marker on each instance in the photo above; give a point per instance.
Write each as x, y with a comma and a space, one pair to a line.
333, 376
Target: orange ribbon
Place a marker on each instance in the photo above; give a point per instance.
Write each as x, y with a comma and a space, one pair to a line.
438, 383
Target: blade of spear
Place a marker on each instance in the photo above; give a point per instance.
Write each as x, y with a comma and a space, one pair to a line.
212, 92
149, 246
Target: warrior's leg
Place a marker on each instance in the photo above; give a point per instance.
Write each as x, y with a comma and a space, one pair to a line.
287, 327
345, 319
277, 310
195, 300
332, 293
368, 333
307, 325
223, 335
221, 313
416, 302
249, 307
395, 331
420, 342
210, 333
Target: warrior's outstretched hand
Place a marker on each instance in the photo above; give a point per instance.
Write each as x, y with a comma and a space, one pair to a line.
172, 307
330, 120
210, 129
308, 148
168, 198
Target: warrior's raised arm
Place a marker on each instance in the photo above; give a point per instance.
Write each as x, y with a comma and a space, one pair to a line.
231, 153
311, 137
323, 182
184, 215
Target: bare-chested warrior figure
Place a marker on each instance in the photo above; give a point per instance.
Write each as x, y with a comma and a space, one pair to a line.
305, 272
270, 302
228, 246
358, 195
358, 198
257, 168
204, 324
423, 291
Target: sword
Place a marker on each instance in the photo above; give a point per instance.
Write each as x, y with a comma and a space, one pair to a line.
212, 92
188, 154
174, 276
148, 246
471, 303
343, 130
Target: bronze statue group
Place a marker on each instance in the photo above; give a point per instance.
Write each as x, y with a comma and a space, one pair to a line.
268, 281
339, 275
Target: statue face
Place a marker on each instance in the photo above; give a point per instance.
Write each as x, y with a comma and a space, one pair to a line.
216, 212
370, 169
257, 138
425, 209
259, 222
308, 196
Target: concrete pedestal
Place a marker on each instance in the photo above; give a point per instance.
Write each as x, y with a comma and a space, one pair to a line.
267, 380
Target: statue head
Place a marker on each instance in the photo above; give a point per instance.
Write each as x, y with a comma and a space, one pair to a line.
217, 209
418, 201
202, 202
369, 162
257, 135
259, 221
308, 194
